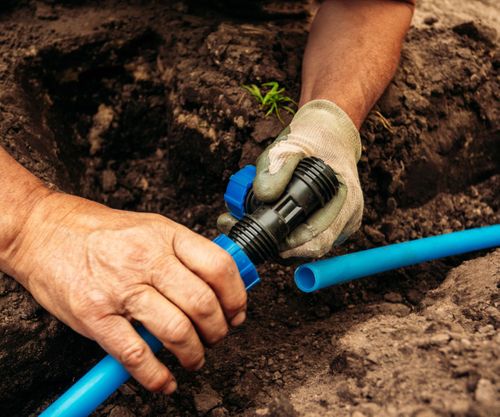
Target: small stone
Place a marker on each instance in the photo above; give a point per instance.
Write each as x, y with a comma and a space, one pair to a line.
101, 122
485, 392
358, 414
108, 180
239, 121
143, 184
206, 399
391, 205
487, 329
219, 412
466, 343
375, 235
277, 375
393, 297
440, 339
430, 20
414, 296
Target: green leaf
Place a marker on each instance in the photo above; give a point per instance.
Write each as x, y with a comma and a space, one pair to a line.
271, 98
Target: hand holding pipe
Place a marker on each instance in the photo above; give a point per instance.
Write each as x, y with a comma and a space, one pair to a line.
254, 239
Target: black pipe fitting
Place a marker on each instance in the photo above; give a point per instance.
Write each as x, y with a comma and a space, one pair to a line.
264, 228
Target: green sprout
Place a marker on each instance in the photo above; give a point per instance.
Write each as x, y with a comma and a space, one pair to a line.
271, 98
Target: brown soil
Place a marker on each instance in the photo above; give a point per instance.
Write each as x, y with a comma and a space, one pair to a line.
140, 106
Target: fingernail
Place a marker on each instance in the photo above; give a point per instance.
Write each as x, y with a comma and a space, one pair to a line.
171, 387
239, 318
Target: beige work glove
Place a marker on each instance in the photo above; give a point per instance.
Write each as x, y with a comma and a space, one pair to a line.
322, 129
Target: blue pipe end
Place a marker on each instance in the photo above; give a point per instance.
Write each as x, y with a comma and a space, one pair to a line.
337, 270
305, 279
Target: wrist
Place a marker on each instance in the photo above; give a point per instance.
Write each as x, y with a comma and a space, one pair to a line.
355, 109
323, 119
14, 222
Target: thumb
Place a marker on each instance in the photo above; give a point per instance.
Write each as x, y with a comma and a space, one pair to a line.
269, 184
225, 223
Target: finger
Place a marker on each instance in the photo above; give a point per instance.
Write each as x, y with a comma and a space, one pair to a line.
316, 248
319, 221
225, 223
195, 298
217, 268
268, 187
168, 324
118, 337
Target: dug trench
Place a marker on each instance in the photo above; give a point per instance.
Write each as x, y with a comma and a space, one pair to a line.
143, 109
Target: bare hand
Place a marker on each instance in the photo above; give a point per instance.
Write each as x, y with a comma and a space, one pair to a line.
96, 269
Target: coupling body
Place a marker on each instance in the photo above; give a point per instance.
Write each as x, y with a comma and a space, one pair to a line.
264, 227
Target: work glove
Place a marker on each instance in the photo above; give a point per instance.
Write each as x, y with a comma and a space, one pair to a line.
322, 129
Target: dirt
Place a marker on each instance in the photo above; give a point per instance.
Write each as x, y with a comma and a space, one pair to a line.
140, 106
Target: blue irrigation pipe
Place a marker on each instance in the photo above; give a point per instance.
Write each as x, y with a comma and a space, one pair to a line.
321, 274
96, 385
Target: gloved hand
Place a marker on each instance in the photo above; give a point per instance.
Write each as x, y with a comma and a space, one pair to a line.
322, 129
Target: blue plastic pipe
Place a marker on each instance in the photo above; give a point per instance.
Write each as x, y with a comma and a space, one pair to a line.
317, 275
96, 385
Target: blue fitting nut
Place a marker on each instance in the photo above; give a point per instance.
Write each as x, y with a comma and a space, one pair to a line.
237, 190
247, 269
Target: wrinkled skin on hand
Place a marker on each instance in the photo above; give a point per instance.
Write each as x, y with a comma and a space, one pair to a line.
97, 269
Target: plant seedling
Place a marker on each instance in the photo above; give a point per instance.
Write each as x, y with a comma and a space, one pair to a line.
272, 98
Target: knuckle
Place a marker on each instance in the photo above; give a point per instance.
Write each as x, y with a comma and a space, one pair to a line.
236, 303
179, 330
131, 297
239, 301
134, 355
205, 303
223, 264
90, 304
217, 334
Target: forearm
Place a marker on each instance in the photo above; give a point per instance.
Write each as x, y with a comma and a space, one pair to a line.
353, 51
19, 192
